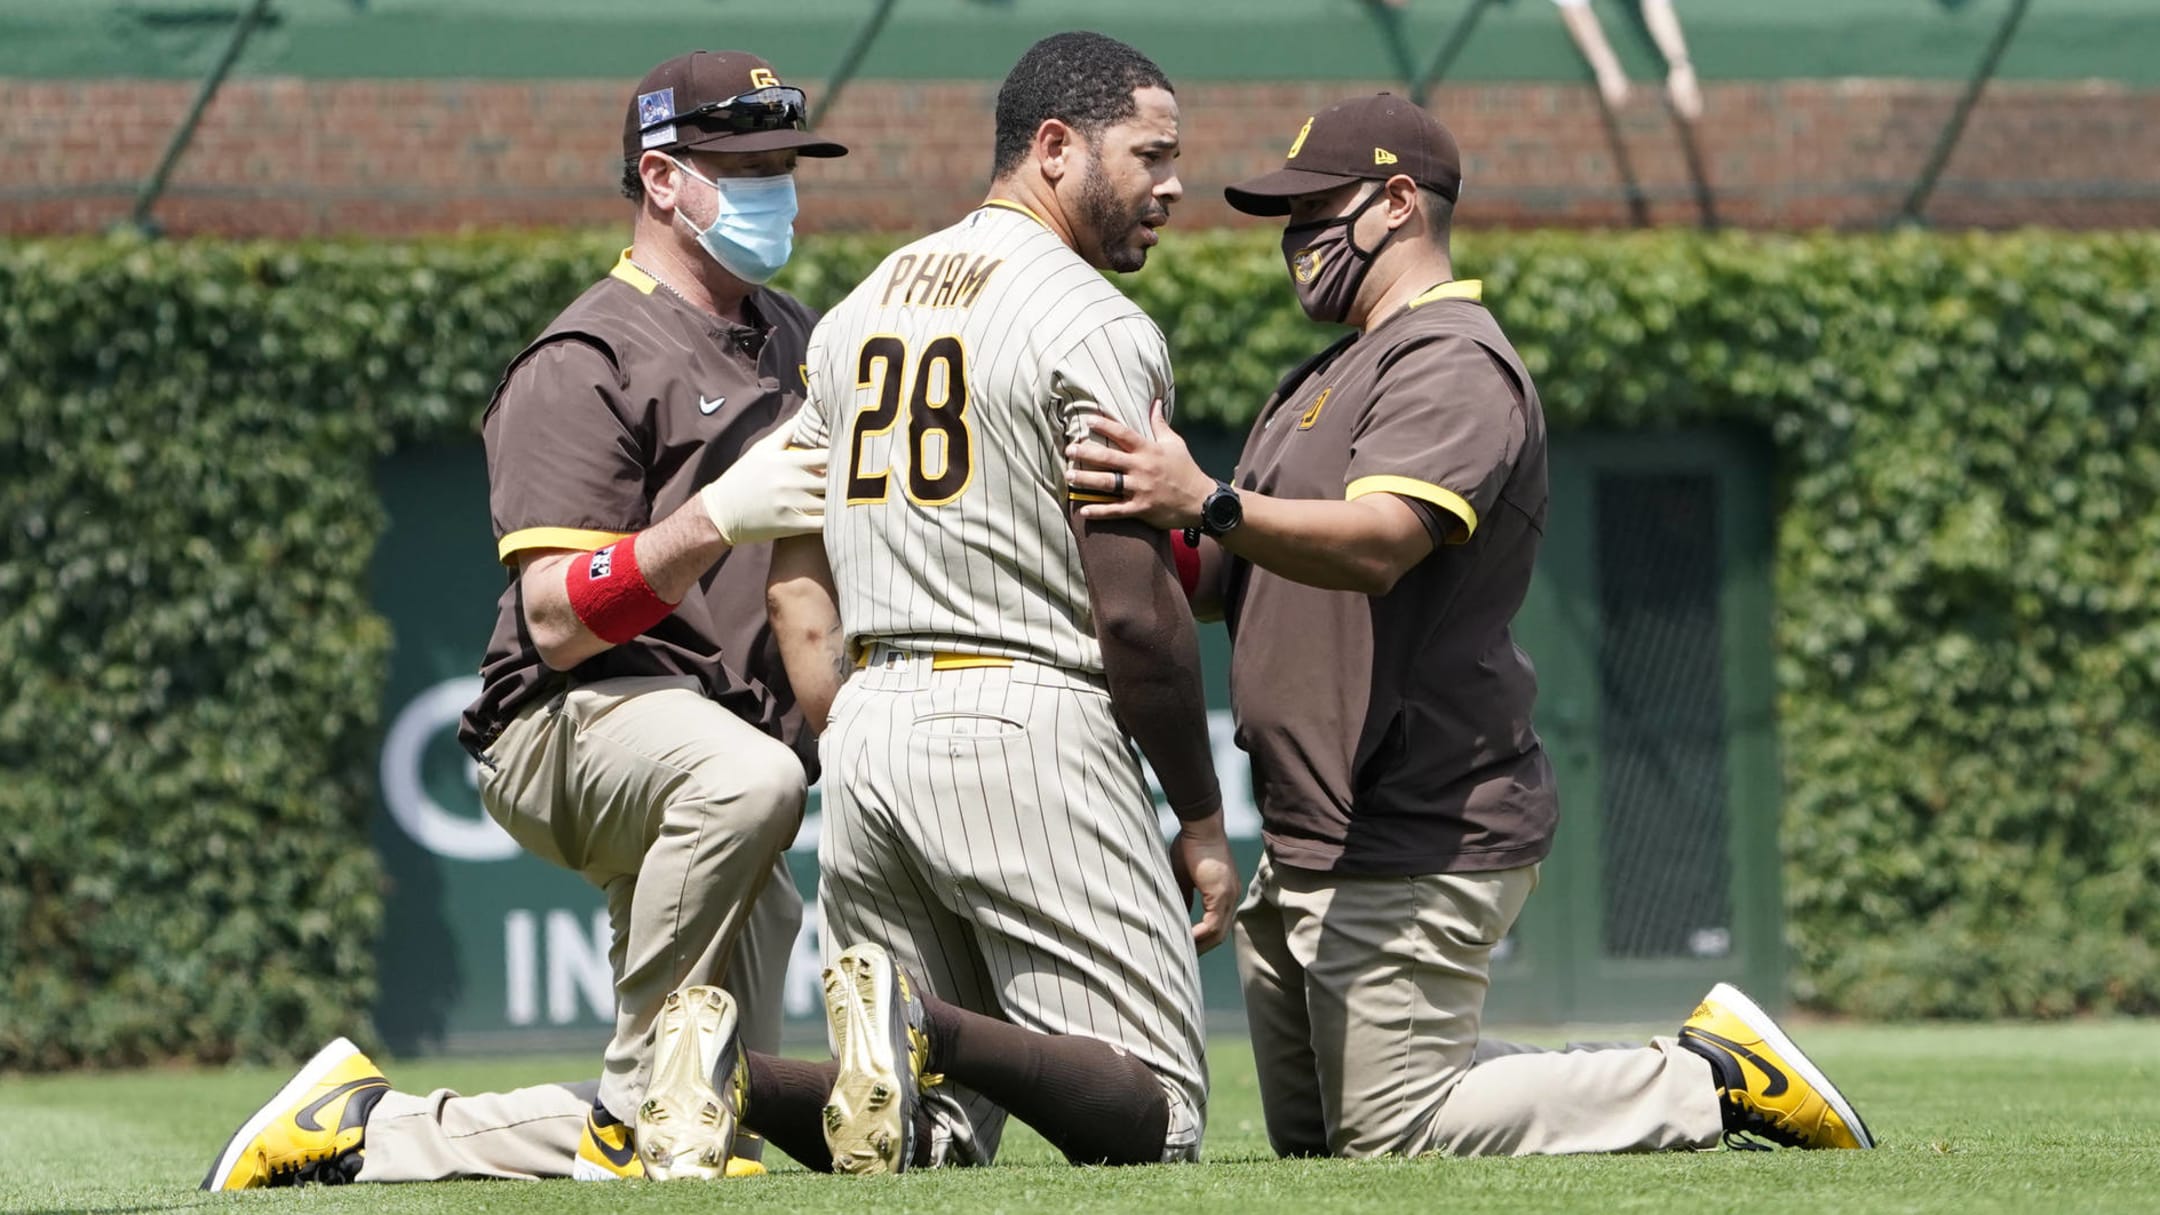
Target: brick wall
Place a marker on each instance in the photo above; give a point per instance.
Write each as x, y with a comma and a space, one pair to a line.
288, 157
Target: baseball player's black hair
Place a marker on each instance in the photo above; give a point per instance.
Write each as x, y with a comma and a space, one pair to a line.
1083, 79
633, 185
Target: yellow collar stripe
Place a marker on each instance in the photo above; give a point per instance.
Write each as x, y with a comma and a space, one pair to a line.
1457, 289
1009, 205
628, 271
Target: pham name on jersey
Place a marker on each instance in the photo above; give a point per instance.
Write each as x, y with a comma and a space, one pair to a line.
943, 280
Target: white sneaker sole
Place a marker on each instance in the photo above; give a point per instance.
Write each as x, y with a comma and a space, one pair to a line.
310, 1074
1759, 1021
582, 1169
683, 1128
865, 1118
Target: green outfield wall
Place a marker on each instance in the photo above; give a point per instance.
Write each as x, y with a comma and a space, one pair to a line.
979, 39
397, 118
1849, 569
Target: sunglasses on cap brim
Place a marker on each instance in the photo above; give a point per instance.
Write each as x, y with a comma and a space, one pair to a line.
778, 108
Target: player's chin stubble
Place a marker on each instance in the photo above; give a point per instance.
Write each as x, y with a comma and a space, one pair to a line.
1115, 225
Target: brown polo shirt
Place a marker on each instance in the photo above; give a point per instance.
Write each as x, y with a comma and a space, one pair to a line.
1391, 734
613, 417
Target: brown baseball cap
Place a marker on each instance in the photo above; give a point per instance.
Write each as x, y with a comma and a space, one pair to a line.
1362, 139
720, 101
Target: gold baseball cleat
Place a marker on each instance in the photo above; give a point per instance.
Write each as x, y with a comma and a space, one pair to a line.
881, 1040
693, 1106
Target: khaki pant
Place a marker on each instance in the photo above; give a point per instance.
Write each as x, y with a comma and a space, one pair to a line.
992, 829
1365, 996
680, 813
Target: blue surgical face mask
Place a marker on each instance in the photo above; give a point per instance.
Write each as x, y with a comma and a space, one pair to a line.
753, 227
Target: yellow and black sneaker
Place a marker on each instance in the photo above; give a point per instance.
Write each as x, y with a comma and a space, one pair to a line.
881, 1039
1767, 1087
312, 1131
605, 1151
693, 1105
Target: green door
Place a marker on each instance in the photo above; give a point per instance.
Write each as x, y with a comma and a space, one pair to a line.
1649, 622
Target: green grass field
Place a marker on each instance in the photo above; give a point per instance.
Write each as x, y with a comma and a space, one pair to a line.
1973, 1119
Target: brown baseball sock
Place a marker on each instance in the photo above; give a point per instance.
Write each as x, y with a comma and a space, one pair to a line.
787, 1103
1091, 1100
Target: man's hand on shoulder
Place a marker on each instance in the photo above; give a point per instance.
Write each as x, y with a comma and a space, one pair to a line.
770, 491
1152, 478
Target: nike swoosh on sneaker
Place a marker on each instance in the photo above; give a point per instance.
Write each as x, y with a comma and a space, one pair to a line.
305, 1119
1777, 1082
621, 1157
704, 406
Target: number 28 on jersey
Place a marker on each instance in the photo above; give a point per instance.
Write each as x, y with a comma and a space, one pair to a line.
918, 406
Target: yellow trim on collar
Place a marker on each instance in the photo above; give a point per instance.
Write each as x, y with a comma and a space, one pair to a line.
1009, 205
1424, 491
1454, 289
628, 271
526, 538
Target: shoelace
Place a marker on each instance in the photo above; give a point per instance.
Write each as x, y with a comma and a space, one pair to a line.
1743, 1122
918, 1035
924, 1078
333, 1168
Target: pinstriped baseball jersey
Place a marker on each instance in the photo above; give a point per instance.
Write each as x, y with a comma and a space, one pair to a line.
946, 387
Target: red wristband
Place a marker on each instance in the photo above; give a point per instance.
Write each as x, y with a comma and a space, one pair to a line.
610, 595
1184, 546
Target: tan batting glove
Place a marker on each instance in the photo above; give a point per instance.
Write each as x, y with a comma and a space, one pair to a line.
771, 491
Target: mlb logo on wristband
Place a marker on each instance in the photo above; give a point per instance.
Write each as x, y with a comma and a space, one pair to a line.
615, 609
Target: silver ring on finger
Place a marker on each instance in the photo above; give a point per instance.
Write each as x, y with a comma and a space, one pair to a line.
1117, 484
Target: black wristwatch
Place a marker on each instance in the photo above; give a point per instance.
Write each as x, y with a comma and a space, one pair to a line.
1221, 511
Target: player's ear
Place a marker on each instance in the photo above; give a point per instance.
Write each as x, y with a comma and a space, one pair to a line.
1402, 199
1055, 144
663, 181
